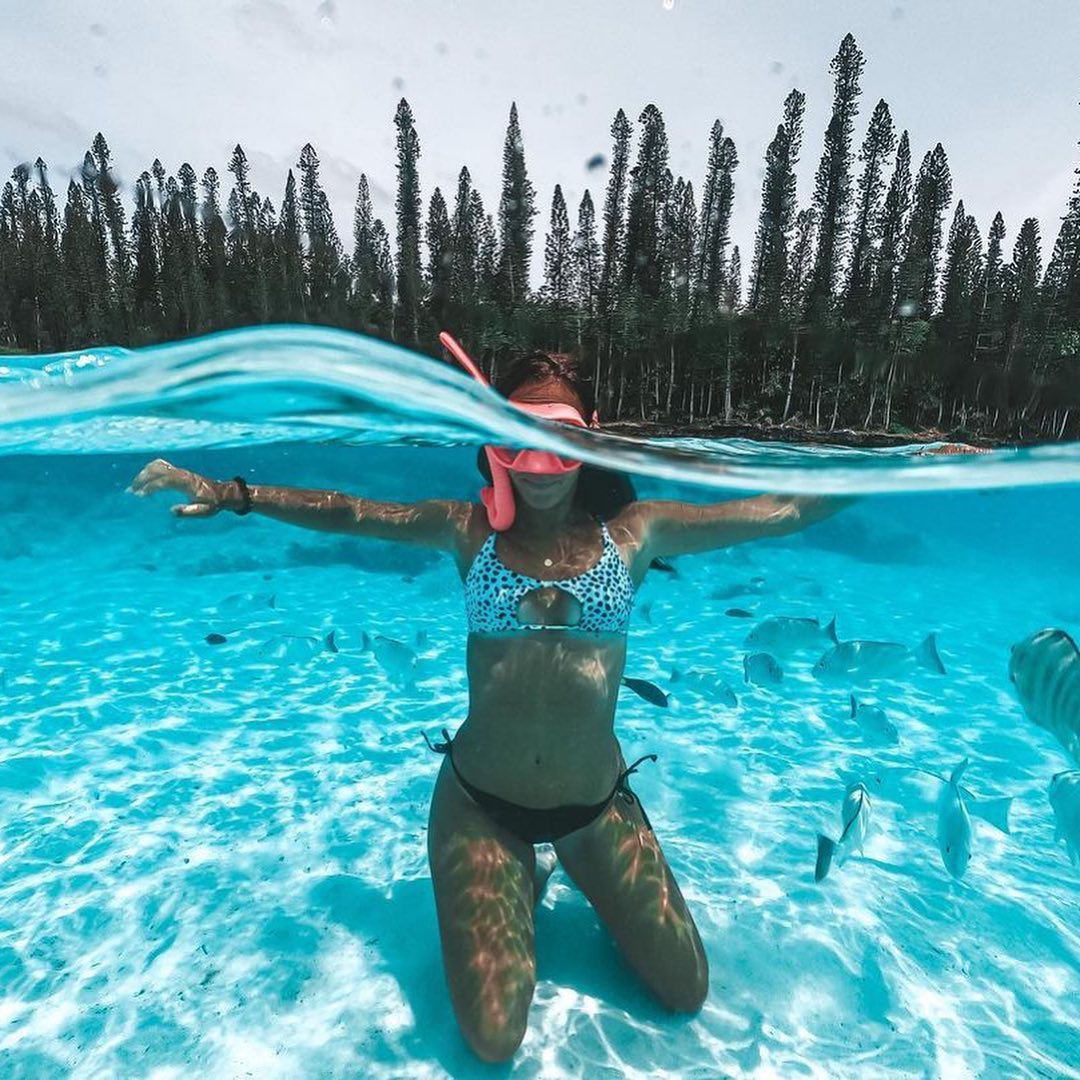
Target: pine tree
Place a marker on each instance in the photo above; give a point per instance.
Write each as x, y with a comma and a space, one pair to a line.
440, 244
323, 246
650, 188
963, 270
681, 251
918, 272
53, 317
614, 216
777, 217
558, 264
112, 207
383, 315
516, 213
714, 231
732, 296
146, 232
877, 148
188, 226
365, 255
894, 220
1062, 286
1021, 283
409, 275
487, 265
795, 294
213, 253
832, 185
176, 315
587, 264
290, 247
987, 304
84, 273
465, 240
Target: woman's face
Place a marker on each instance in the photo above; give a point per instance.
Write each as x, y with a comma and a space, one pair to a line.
542, 491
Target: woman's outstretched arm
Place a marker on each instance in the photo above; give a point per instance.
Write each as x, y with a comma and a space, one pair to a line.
677, 528
657, 528
436, 523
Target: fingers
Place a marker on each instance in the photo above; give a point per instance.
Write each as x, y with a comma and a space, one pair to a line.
159, 475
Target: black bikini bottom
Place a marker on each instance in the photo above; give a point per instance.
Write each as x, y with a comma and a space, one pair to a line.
535, 826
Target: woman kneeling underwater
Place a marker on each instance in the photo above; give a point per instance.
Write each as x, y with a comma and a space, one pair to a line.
550, 558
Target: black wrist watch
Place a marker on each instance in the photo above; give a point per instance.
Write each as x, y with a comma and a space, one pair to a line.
245, 495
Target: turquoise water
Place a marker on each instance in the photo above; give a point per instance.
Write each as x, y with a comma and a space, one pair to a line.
212, 859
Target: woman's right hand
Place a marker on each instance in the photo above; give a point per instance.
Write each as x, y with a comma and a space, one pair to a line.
206, 497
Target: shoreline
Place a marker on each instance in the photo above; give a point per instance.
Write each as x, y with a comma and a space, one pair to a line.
797, 433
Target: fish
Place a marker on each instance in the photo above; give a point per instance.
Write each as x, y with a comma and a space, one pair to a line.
706, 684
295, 648
247, 602
739, 613
888, 783
1045, 669
216, 639
875, 726
647, 690
394, 657
762, 669
848, 660
855, 821
954, 825
646, 611
785, 634
729, 592
1065, 799
665, 566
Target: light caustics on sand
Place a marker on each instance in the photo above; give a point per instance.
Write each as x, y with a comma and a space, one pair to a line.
315, 384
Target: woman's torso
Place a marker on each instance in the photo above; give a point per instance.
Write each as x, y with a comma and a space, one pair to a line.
540, 727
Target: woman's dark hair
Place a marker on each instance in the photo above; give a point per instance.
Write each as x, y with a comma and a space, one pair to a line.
601, 492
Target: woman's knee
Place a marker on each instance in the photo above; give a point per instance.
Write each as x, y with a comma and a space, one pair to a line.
493, 1043
688, 994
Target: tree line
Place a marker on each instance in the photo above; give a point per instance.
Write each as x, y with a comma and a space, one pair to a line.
860, 309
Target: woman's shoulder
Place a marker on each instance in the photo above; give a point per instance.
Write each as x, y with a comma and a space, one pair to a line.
626, 525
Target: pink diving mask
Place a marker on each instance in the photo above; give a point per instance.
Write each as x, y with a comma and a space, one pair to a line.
498, 499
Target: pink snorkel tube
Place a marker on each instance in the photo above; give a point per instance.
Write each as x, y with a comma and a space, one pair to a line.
498, 499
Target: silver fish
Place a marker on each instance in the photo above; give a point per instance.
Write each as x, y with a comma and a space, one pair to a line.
238, 602
394, 657
296, 648
782, 635
762, 669
875, 726
855, 823
850, 660
1065, 799
706, 684
1045, 669
954, 825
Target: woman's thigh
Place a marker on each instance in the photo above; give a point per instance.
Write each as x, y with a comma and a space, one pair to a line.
617, 862
483, 881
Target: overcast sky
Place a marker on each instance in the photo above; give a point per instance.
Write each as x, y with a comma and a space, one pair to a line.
996, 81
